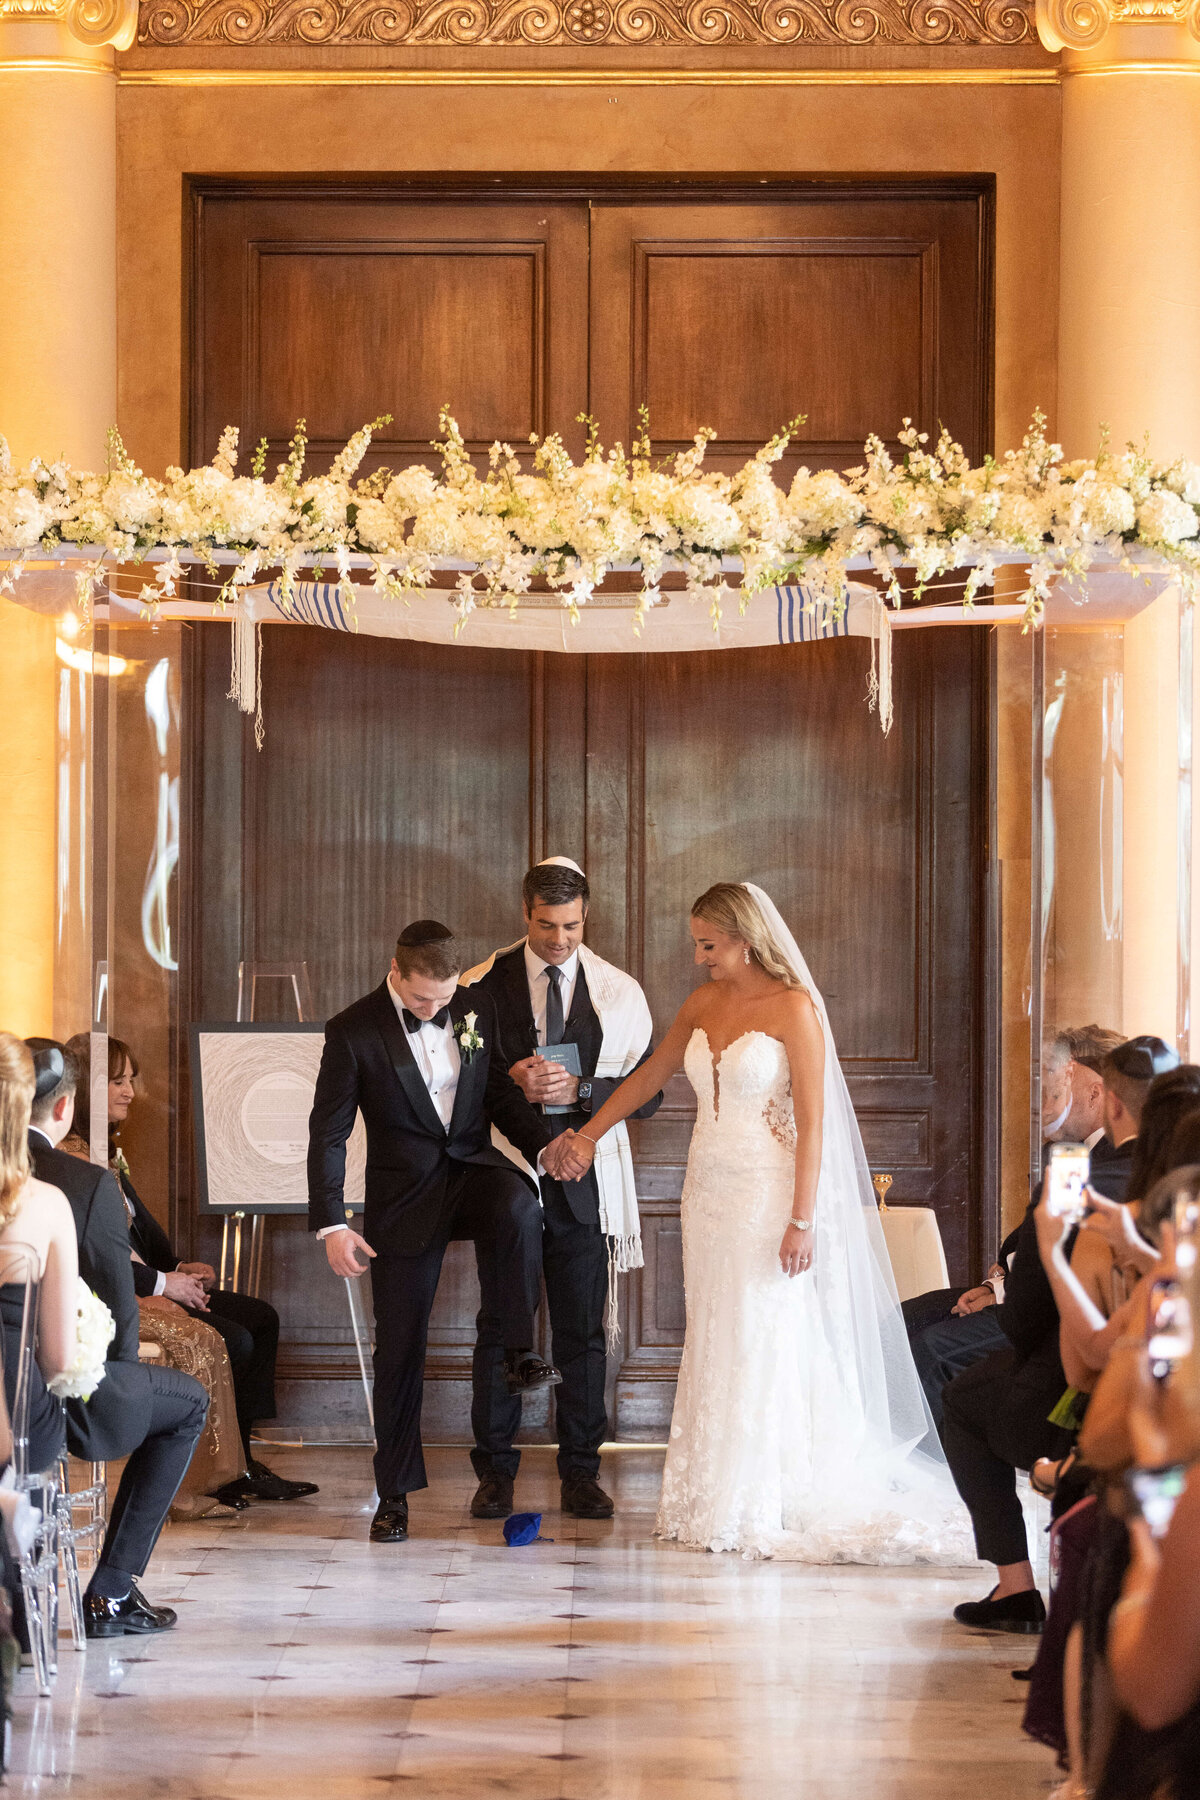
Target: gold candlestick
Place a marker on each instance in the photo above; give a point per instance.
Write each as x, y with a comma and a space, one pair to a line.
881, 1184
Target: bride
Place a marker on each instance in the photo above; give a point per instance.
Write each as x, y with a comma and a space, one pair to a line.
798, 1413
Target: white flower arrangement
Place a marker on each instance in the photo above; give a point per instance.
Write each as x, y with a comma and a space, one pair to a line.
95, 1329
469, 1039
568, 522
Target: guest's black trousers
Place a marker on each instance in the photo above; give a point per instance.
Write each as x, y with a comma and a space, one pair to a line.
943, 1345
995, 1421
575, 1264
151, 1477
250, 1329
498, 1210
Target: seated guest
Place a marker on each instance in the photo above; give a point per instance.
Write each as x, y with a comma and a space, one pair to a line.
37, 1235
249, 1327
152, 1416
997, 1415
951, 1329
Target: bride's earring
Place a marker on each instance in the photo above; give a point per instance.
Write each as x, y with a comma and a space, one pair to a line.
745, 953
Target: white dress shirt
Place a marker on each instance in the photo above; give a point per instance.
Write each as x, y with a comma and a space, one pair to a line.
435, 1052
539, 986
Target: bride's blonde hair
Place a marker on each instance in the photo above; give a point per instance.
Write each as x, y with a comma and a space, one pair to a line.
17, 1084
732, 909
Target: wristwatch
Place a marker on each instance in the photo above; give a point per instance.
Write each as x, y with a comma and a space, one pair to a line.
585, 1092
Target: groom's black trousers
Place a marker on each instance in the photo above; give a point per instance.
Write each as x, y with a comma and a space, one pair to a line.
575, 1261
497, 1209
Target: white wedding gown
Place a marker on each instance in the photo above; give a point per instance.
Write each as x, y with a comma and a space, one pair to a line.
798, 1409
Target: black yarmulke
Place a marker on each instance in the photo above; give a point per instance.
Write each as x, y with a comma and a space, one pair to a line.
424, 931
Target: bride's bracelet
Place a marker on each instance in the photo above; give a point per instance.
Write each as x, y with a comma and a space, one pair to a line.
800, 1224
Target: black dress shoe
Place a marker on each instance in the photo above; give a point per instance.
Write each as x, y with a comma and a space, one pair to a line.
584, 1498
1024, 1614
390, 1524
116, 1618
526, 1374
493, 1497
261, 1483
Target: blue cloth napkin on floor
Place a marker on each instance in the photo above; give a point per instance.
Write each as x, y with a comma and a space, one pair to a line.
523, 1528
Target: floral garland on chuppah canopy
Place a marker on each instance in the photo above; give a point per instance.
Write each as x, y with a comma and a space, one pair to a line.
568, 522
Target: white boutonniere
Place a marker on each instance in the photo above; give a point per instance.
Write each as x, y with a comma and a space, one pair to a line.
469, 1040
120, 1166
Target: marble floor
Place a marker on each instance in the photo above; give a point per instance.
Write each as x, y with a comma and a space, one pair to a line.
310, 1665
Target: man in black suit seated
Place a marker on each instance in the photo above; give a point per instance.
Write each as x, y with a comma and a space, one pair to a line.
952, 1329
421, 1059
540, 988
997, 1414
249, 1326
152, 1416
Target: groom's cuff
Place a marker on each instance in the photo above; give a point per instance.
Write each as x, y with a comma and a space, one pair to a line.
328, 1230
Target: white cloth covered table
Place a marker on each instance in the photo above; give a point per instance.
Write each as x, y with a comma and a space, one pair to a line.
915, 1247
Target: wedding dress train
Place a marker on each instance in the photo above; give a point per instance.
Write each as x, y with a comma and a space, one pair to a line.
798, 1411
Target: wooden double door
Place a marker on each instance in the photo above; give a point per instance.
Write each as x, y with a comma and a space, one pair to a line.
404, 780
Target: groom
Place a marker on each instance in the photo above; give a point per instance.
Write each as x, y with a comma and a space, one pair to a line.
549, 989
421, 1060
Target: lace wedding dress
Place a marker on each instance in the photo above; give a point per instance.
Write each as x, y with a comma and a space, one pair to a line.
798, 1411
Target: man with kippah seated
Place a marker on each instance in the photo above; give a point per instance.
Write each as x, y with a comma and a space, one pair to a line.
421, 1059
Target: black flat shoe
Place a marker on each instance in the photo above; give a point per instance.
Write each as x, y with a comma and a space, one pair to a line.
493, 1497
584, 1498
390, 1524
1023, 1614
528, 1374
131, 1616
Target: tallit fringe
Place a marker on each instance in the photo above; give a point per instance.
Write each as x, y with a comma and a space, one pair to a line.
879, 682
624, 1254
245, 669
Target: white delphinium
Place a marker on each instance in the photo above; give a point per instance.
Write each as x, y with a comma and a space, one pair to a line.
95, 1329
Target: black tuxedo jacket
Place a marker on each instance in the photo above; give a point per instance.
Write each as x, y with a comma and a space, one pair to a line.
507, 983
117, 1417
150, 1241
368, 1066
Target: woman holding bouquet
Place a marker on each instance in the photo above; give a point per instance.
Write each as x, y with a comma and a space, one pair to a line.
37, 1233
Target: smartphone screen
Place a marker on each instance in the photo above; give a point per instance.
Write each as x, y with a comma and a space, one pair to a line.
1169, 1328
1156, 1491
1066, 1177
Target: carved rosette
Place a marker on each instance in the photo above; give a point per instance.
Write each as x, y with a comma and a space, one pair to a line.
588, 22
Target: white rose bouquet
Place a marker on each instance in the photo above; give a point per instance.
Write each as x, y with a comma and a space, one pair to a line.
95, 1329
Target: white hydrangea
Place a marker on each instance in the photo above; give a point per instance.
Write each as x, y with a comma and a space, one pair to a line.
1166, 518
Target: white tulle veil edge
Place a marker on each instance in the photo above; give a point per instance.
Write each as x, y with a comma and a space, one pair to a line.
893, 1401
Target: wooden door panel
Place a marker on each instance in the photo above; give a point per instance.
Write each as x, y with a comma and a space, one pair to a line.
335, 309
336, 327
852, 309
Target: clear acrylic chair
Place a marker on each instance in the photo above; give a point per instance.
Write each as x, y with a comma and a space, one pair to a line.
72, 1535
20, 1267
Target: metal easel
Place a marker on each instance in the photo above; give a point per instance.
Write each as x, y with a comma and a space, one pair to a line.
249, 976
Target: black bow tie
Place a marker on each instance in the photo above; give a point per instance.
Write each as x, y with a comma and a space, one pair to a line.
413, 1024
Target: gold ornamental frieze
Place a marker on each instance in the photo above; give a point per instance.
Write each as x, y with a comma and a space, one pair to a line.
587, 22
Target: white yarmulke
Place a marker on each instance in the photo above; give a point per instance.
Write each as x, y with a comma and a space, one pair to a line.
561, 862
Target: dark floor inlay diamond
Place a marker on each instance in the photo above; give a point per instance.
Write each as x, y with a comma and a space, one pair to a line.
566, 1715
561, 1756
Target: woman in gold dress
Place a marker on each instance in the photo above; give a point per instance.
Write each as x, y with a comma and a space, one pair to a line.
185, 1342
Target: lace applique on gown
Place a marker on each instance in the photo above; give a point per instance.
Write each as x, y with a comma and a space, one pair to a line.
773, 1448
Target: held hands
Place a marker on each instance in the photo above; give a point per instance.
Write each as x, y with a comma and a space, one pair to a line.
341, 1248
204, 1272
796, 1251
185, 1290
545, 1083
977, 1298
569, 1156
